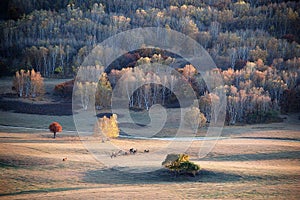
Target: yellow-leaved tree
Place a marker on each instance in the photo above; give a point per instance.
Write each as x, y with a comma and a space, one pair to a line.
28, 83
109, 126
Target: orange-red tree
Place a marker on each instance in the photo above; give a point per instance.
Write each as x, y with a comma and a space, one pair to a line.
55, 127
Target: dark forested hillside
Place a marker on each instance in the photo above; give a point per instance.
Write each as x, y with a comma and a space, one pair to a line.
54, 36
254, 43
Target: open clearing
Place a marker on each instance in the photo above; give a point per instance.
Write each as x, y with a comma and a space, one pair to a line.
257, 164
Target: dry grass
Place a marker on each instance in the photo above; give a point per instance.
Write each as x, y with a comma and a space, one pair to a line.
32, 167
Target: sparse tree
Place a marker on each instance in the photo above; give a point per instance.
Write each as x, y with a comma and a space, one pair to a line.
103, 92
85, 90
28, 84
109, 126
194, 118
36, 84
55, 127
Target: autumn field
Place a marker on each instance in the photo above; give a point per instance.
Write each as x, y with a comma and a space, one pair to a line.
251, 165
258, 161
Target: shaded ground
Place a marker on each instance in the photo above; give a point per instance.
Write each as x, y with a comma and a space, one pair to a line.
49, 104
56, 109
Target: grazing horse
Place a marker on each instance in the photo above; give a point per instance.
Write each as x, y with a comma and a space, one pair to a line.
132, 151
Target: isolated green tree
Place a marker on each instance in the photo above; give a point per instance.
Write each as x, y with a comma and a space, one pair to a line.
179, 163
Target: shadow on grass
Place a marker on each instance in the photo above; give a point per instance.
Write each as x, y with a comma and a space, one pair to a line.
114, 176
50, 140
56, 109
42, 191
19, 161
255, 156
42, 138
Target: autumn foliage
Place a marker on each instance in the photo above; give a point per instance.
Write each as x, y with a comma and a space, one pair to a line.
232, 31
104, 92
64, 89
180, 164
55, 127
28, 83
109, 126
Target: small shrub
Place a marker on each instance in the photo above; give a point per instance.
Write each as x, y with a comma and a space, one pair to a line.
64, 89
58, 70
263, 117
180, 164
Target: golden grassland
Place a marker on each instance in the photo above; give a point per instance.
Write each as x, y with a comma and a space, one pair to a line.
244, 166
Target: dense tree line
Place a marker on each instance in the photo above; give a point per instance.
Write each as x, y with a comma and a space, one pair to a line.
53, 37
255, 93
